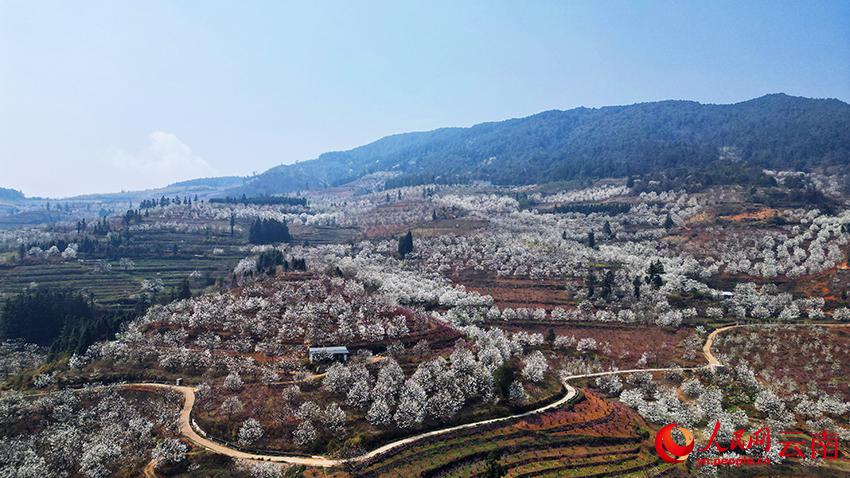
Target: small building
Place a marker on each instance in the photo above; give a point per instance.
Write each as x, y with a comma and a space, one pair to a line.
320, 354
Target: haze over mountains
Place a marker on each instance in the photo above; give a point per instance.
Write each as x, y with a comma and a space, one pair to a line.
775, 131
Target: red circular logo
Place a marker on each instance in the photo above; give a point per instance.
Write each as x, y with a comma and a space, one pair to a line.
668, 449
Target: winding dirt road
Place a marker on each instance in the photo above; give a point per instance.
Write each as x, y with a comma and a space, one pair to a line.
187, 430
709, 342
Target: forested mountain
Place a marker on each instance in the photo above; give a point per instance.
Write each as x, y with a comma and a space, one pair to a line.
11, 194
775, 131
217, 182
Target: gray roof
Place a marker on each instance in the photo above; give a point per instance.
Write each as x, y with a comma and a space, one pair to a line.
340, 349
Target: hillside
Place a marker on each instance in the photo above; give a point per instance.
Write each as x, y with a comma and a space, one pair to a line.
774, 131
11, 195
203, 187
218, 182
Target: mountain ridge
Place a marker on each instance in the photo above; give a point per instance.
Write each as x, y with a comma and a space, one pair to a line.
775, 130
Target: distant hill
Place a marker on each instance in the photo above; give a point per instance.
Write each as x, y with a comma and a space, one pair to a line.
775, 131
203, 187
219, 182
11, 195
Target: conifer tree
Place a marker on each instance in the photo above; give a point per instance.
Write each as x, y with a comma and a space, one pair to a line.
607, 230
185, 291
607, 284
590, 283
268, 231
668, 222
405, 244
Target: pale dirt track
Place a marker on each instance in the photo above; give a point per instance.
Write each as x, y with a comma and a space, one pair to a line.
189, 432
150, 469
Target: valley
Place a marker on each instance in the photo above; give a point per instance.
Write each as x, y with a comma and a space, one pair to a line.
570, 333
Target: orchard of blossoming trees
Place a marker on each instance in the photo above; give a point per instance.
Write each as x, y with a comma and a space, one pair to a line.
773, 393
94, 433
496, 293
260, 329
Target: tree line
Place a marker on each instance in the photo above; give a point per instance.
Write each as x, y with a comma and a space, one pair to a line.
262, 200
166, 201
268, 262
611, 208
64, 320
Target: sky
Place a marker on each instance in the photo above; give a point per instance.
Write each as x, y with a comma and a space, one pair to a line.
125, 95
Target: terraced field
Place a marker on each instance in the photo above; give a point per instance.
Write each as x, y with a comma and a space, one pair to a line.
153, 255
516, 292
593, 437
318, 235
69, 274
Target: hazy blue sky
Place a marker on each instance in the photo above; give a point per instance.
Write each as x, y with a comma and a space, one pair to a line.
104, 96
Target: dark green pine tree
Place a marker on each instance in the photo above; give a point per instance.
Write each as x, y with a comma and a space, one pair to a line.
656, 268
268, 231
591, 240
494, 469
405, 245
668, 222
653, 275
607, 284
590, 283
607, 230
185, 291
502, 379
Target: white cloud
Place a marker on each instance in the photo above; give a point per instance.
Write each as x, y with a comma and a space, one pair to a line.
165, 160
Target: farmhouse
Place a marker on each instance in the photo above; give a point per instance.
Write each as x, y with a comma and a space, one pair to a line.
328, 353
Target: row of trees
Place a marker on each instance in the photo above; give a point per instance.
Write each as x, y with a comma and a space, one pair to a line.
611, 208
262, 200
165, 201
